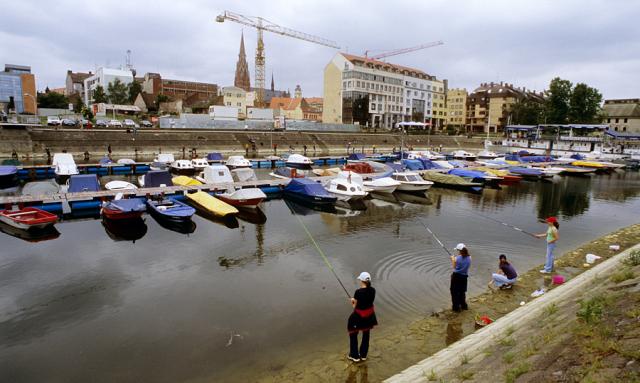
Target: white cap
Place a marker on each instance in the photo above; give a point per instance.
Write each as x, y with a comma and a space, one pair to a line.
364, 276
460, 246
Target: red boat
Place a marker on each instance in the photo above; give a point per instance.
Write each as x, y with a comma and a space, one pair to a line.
510, 180
28, 218
124, 208
360, 168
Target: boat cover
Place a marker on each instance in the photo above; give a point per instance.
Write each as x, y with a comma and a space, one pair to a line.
155, 178
83, 183
525, 171
357, 156
8, 170
244, 174
360, 167
184, 181
129, 204
306, 187
212, 204
395, 167
105, 160
467, 173
446, 179
40, 188
289, 172
577, 156
413, 164
214, 156
428, 164
171, 207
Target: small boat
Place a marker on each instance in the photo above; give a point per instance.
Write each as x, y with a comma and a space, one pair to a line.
155, 178
444, 164
38, 188
185, 181
28, 218
286, 173
106, 161
159, 166
244, 174
126, 161
451, 181
8, 177
215, 174
463, 155
214, 157
308, 191
247, 198
64, 166
183, 167
411, 182
162, 161
328, 172
428, 154
124, 208
528, 173
486, 154
83, 183
199, 164
298, 161
477, 176
507, 179
551, 170
347, 186
170, 210
359, 167
235, 162
576, 170
120, 185
381, 185
212, 205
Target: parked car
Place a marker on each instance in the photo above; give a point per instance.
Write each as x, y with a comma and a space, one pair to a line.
146, 124
68, 122
102, 123
115, 124
53, 121
130, 123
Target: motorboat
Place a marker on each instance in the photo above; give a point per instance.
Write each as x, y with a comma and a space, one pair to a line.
215, 174
531, 174
83, 183
576, 170
159, 166
487, 154
39, 188
170, 210
381, 185
451, 181
123, 208
444, 164
8, 177
360, 168
199, 164
298, 161
211, 205
347, 186
183, 167
235, 162
308, 191
64, 166
125, 161
506, 178
477, 176
463, 155
244, 174
243, 198
286, 173
411, 182
214, 158
551, 170
185, 181
428, 154
328, 172
28, 218
120, 185
162, 161
155, 178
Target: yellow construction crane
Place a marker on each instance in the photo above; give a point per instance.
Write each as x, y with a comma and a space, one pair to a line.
265, 25
403, 50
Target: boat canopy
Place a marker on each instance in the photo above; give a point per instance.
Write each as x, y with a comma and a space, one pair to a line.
129, 204
8, 170
62, 158
413, 164
525, 171
83, 183
165, 157
306, 187
215, 174
395, 167
428, 164
155, 178
215, 156
351, 177
357, 156
467, 173
40, 188
244, 174
360, 167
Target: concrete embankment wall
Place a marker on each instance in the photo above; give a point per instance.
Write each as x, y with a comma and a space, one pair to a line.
33, 142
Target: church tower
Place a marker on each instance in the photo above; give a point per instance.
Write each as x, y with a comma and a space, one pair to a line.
242, 79
273, 85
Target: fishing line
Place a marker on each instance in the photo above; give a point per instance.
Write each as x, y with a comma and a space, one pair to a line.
436, 238
324, 257
503, 223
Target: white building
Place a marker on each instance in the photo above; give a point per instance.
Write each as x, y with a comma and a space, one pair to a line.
103, 77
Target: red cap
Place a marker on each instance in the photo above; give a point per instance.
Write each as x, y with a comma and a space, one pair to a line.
551, 220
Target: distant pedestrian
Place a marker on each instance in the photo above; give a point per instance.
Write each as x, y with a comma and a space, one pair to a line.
552, 236
304, 147
109, 148
506, 275
363, 318
440, 148
459, 278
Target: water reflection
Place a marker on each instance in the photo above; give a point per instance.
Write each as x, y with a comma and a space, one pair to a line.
183, 227
358, 373
125, 229
33, 235
255, 216
229, 221
568, 197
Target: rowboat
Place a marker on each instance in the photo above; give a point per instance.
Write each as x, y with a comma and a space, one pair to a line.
248, 198
28, 218
124, 208
168, 209
211, 204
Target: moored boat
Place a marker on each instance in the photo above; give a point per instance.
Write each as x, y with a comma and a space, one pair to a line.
298, 161
411, 182
214, 158
243, 198
381, 185
183, 167
286, 172
308, 191
185, 181
235, 162
451, 181
215, 174
8, 177
28, 218
64, 167
123, 208
170, 210
211, 205
120, 185
463, 155
83, 183
155, 178
199, 164
347, 186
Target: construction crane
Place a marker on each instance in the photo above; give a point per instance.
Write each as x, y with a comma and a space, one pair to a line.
262, 24
403, 50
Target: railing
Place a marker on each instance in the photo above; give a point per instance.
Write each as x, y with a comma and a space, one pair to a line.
581, 138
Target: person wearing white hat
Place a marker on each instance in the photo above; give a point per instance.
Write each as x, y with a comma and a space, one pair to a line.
459, 278
363, 318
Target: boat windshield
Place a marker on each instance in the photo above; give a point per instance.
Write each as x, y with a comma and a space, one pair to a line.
413, 178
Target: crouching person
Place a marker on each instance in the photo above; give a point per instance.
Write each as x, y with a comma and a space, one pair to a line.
506, 275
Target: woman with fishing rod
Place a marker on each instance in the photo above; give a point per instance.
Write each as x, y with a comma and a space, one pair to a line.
363, 318
459, 278
552, 237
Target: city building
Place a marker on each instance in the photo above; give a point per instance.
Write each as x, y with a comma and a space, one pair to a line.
235, 97
18, 89
242, 79
456, 108
622, 115
360, 90
146, 102
297, 108
75, 83
103, 77
438, 95
154, 84
313, 109
489, 106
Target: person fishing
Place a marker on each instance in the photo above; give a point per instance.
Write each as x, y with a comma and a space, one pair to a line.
363, 318
459, 277
552, 237
506, 275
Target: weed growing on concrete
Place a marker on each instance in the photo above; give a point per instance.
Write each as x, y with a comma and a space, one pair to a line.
464, 359
507, 342
508, 357
513, 373
432, 377
465, 375
550, 309
633, 313
591, 310
530, 349
633, 259
622, 276
509, 331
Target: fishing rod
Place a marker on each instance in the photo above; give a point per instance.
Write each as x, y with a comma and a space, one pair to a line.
436, 238
504, 224
324, 257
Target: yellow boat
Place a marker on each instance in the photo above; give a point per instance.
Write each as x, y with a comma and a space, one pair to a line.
185, 181
589, 164
211, 204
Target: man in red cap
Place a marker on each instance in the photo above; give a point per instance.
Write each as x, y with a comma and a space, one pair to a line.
552, 238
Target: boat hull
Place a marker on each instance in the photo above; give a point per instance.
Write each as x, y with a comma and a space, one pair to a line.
324, 201
410, 187
296, 165
115, 214
212, 205
250, 203
28, 218
380, 189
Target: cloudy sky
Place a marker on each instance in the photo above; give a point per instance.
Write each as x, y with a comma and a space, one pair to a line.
522, 42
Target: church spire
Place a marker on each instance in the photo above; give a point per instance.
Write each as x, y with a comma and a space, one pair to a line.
273, 87
242, 79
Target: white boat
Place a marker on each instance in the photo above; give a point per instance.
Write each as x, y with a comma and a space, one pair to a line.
183, 167
199, 163
64, 166
428, 154
120, 185
551, 170
235, 162
487, 154
347, 186
444, 164
411, 181
162, 161
126, 161
381, 185
244, 174
215, 174
243, 198
463, 155
286, 173
298, 161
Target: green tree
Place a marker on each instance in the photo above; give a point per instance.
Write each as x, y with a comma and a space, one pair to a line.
558, 98
134, 89
52, 100
99, 96
584, 104
117, 92
161, 98
78, 106
527, 112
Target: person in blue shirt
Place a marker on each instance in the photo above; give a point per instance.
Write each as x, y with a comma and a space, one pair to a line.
459, 277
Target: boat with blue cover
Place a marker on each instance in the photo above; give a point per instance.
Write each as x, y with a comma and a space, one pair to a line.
124, 208
83, 183
169, 209
477, 176
155, 178
215, 157
8, 177
306, 190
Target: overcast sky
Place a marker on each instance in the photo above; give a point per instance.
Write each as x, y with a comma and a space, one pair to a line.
522, 42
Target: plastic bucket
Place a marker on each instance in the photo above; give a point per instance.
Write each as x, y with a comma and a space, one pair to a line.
558, 279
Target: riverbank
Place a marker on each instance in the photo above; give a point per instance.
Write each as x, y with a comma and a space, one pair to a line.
395, 349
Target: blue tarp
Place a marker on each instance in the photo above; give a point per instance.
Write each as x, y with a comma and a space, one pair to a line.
214, 157
395, 167
413, 164
156, 178
307, 187
467, 173
428, 164
129, 205
7, 170
357, 156
83, 182
105, 160
525, 171
577, 156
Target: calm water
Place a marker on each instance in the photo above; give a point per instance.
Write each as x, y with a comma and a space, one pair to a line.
219, 302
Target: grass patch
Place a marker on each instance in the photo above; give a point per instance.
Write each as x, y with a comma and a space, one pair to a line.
508, 357
633, 313
513, 373
622, 276
633, 259
464, 359
591, 310
465, 375
507, 342
530, 350
509, 331
432, 377
550, 309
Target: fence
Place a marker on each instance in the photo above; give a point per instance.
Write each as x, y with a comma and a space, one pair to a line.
204, 121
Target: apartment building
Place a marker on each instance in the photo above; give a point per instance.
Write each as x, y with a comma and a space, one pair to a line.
103, 77
154, 84
439, 104
622, 115
456, 108
18, 89
236, 97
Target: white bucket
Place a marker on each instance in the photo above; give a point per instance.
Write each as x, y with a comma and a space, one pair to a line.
591, 258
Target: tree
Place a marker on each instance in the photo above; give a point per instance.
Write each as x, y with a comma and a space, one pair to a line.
134, 89
584, 104
527, 112
117, 92
559, 95
99, 96
161, 98
52, 100
78, 106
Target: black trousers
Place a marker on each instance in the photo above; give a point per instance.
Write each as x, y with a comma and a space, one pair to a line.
353, 345
458, 292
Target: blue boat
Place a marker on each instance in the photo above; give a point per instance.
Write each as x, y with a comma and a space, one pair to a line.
124, 208
83, 183
477, 176
308, 191
170, 210
357, 157
155, 178
214, 157
8, 177
413, 164
526, 173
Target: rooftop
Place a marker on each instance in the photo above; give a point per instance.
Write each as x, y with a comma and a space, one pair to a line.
368, 61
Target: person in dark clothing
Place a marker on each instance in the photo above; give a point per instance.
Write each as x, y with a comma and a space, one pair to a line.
506, 275
459, 277
363, 318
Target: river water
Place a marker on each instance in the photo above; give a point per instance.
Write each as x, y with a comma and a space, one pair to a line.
234, 304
